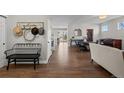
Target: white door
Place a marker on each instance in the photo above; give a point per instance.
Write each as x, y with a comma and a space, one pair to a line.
2, 41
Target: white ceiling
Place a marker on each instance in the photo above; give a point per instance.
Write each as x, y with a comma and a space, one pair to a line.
64, 20
96, 20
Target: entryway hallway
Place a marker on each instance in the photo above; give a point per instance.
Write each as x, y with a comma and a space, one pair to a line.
66, 62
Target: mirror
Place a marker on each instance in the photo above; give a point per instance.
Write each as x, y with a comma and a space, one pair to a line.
77, 32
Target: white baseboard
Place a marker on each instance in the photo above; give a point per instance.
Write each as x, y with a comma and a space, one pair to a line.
43, 62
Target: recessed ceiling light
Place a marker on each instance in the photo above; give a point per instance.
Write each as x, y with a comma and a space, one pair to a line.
102, 17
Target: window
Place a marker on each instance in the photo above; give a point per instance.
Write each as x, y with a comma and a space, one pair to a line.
120, 26
104, 27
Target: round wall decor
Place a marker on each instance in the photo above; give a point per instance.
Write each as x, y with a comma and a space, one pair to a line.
35, 31
19, 34
28, 35
17, 30
41, 31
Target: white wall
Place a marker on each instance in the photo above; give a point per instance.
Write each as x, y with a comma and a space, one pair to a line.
49, 34
84, 27
2, 40
113, 32
11, 39
55, 38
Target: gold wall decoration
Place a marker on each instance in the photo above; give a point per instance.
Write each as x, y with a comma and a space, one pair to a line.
17, 30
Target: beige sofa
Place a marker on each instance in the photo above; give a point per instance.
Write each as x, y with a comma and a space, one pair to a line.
109, 58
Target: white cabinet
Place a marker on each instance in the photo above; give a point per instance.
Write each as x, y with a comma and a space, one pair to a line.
2, 41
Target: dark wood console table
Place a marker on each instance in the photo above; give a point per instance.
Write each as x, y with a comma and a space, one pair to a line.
23, 58
24, 52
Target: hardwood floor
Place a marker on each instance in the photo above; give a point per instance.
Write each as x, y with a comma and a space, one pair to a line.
64, 63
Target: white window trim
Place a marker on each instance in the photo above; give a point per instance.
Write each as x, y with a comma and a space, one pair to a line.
118, 28
103, 25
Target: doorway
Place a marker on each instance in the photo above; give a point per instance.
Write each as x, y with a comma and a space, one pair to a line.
59, 35
62, 35
90, 35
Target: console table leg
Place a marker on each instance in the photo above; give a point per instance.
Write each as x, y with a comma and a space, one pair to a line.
38, 61
15, 62
8, 64
34, 64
